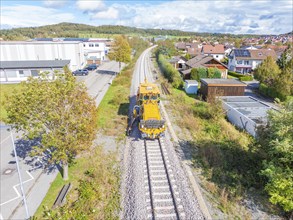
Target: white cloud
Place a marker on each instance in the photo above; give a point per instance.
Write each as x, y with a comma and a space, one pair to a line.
55, 3
29, 16
90, 5
110, 13
236, 17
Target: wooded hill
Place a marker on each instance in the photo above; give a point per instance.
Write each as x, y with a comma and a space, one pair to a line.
82, 30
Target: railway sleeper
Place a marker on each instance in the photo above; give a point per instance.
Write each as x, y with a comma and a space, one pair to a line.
162, 196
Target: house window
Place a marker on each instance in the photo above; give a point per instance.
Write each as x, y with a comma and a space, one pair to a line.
217, 56
21, 73
35, 72
246, 62
239, 61
96, 45
83, 45
91, 45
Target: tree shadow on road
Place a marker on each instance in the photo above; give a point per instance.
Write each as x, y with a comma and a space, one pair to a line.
24, 150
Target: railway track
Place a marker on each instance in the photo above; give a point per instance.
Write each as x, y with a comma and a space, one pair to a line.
165, 90
161, 189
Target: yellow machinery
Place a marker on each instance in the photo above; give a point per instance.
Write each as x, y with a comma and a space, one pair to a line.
147, 111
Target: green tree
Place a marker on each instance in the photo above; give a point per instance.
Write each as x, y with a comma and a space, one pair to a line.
121, 50
60, 112
285, 57
267, 71
276, 140
198, 73
284, 83
187, 56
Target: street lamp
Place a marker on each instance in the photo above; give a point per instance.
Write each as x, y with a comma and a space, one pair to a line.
9, 128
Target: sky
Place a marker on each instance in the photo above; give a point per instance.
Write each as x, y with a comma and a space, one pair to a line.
226, 16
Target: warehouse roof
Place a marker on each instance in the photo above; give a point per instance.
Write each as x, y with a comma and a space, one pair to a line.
249, 107
222, 82
26, 64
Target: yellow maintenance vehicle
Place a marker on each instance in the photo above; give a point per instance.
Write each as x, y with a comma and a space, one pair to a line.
147, 111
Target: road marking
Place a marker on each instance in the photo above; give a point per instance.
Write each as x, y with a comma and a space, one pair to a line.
5, 139
1, 217
16, 191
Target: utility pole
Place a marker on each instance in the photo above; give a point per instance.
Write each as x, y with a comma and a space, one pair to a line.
9, 128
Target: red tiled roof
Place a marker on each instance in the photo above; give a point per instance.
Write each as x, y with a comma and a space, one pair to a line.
262, 54
210, 49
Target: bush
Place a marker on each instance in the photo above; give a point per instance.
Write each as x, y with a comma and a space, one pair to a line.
270, 91
231, 73
169, 71
246, 78
198, 73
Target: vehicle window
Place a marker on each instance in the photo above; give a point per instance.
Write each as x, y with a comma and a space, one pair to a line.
153, 97
146, 97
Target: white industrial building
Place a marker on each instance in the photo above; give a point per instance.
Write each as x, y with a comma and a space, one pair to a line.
246, 112
44, 50
17, 71
95, 51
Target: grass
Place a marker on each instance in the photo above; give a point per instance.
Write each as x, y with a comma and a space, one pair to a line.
6, 89
223, 154
99, 168
75, 173
113, 110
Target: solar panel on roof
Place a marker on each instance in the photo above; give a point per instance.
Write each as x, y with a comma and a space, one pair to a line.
242, 53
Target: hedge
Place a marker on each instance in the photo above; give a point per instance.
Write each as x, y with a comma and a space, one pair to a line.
240, 76
246, 78
169, 71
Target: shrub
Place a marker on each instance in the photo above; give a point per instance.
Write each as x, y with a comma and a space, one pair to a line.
231, 73
169, 71
246, 78
270, 91
198, 73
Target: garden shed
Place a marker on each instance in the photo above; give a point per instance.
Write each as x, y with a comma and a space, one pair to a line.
221, 87
191, 86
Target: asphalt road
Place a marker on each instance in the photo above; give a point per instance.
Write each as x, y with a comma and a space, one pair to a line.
35, 181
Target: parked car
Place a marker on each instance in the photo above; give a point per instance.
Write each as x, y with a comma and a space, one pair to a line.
80, 72
91, 67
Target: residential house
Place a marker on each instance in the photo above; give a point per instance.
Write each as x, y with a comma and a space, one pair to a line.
205, 62
217, 51
244, 61
178, 62
193, 49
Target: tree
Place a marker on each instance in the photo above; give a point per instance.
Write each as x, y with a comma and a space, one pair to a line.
284, 83
198, 73
59, 111
276, 140
267, 71
121, 50
187, 56
285, 57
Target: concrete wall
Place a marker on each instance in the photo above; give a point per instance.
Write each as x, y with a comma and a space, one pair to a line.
240, 120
